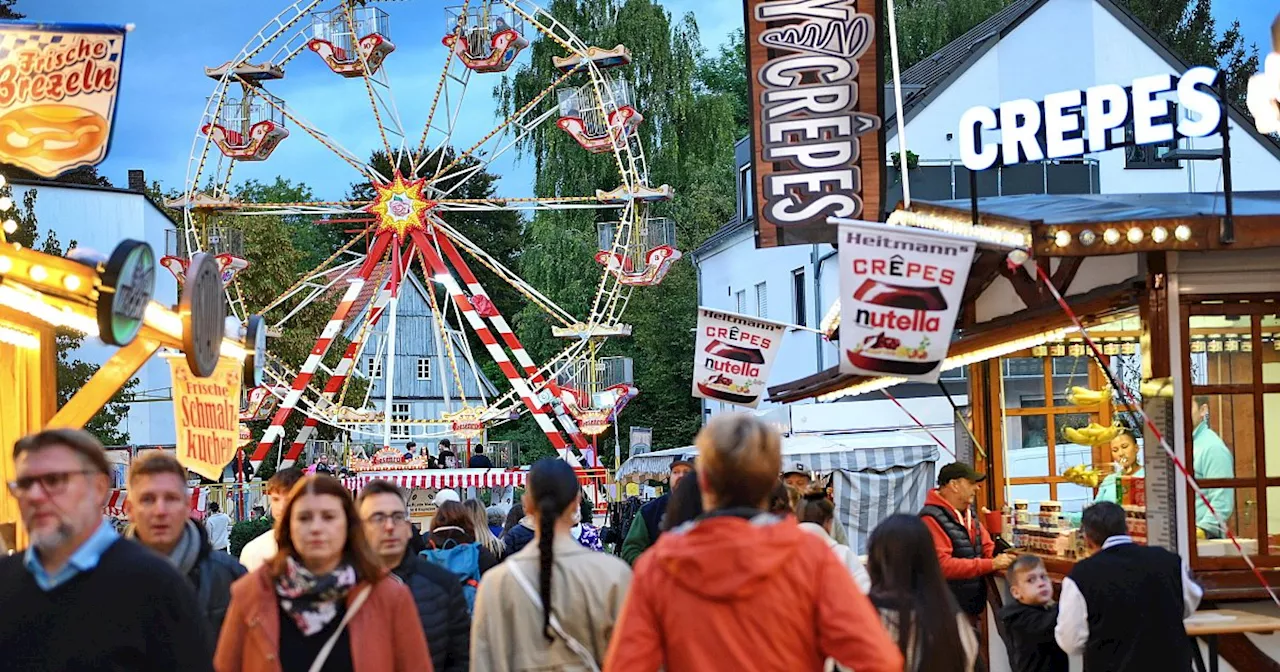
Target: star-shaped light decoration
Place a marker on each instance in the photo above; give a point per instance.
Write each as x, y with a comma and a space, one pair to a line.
400, 206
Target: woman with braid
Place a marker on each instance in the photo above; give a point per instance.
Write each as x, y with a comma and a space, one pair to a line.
553, 604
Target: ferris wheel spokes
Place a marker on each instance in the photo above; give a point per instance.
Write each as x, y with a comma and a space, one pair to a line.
364, 168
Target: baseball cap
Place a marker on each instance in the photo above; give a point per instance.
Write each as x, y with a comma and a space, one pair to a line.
958, 470
447, 495
685, 460
794, 468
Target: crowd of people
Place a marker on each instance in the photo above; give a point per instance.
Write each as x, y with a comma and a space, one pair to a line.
739, 567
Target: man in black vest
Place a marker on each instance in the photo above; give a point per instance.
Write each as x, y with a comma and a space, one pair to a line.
1122, 607
965, 550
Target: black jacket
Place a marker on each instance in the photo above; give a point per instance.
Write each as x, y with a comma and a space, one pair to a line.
515, 539
1032, 647
212, 577
454, 537
971, 594
442, 609
480, 462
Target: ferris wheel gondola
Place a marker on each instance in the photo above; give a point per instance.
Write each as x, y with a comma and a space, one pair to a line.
405, 228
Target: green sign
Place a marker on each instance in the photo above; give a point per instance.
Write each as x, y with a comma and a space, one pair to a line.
128, 283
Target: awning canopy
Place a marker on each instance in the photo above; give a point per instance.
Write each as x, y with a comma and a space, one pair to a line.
818, 452
991, 339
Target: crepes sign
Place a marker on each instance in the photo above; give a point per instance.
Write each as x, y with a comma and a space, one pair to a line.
59, 84
733, 356
900, 292
816, 100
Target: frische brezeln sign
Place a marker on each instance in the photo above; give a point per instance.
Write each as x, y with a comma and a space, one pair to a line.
816, 100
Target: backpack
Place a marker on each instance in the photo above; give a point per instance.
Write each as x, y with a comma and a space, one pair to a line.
464, 561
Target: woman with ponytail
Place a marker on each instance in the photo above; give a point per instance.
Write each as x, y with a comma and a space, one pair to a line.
553, 604
817, 516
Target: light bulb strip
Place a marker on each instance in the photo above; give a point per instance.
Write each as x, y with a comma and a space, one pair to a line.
19, 338
1077, 237
992, 235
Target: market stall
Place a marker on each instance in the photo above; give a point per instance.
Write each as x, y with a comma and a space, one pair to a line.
875, 474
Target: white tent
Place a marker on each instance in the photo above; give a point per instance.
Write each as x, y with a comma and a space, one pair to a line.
876, 474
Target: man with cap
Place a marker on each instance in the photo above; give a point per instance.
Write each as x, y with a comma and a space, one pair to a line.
795, 475
965, 550
647, 524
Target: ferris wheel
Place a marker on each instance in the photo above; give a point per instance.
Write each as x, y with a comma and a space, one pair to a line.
407, 222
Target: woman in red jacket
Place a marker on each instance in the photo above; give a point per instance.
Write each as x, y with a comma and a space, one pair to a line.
323, 603
741, 589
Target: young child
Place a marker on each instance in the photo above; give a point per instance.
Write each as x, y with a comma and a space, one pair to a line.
1031, 618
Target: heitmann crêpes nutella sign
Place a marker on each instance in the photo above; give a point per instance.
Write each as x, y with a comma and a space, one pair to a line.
817, 147
900, 292
733, 356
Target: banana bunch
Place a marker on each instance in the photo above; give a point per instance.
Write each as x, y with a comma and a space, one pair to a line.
1083, 396
1093, 435
1084, 475
1157, 387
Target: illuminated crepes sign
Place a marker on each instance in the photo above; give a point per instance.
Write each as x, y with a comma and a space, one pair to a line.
816, 98
58, 90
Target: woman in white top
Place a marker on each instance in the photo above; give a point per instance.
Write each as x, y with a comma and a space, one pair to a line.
582, 590
817, 515
907, 587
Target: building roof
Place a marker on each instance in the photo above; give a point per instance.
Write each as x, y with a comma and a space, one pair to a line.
925, 80
723, 234
1062, 209
54, 184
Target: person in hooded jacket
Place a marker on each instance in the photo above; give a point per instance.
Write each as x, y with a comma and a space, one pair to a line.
161, 506
741, 589
453, 526
554, 604
518, 531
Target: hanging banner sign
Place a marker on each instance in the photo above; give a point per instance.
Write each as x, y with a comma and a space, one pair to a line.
733, 356
816, 99
207, 416
900, 292
59, 84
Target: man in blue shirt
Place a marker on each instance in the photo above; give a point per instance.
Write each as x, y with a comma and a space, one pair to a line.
77, 568
1212, 460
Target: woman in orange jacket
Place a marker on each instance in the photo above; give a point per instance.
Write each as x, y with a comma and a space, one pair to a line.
741, 589
323, 604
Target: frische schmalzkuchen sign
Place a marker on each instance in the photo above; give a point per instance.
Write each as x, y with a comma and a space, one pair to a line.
816, 99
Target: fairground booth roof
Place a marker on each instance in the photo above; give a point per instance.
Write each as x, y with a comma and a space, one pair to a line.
1070, 227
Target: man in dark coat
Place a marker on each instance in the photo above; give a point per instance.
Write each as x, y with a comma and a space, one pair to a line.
442, 607
647, 524
159, 503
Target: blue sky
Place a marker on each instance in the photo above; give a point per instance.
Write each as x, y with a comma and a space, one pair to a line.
164, 87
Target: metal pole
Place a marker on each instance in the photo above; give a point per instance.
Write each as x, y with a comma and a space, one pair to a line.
1227, 229
973, 195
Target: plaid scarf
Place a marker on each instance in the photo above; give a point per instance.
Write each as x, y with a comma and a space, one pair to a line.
313, 600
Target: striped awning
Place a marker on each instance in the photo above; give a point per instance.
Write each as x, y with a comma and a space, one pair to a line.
441, 478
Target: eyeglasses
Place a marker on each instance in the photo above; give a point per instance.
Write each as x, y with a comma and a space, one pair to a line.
382, 518
53, 483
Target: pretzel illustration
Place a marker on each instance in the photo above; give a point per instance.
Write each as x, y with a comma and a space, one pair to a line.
52, 132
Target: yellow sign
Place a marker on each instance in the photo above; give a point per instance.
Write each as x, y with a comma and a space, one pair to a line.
207, 416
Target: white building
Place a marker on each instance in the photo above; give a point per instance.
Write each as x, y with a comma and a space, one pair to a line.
1027, 50
99, 218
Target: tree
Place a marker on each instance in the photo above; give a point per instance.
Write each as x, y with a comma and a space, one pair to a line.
1187, 26
925, 26
73, 372
726, 74
694, 111
7, 11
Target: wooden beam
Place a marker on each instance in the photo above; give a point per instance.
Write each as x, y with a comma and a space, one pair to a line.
104, 384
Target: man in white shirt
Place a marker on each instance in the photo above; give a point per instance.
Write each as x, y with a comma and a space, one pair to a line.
257, 552
218, 525
1123, 606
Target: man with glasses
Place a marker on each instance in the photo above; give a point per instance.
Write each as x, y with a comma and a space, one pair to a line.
80, 597
160, 506
438, 592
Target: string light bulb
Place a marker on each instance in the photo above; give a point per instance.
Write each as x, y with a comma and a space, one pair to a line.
1062, 238
1159, 235
1111, 236
1088, 237
71, 282
1134, 235
39, 274
6, 265
1182, 233
6, 203
10, 227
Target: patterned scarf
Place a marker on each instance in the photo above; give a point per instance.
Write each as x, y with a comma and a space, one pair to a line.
313, 600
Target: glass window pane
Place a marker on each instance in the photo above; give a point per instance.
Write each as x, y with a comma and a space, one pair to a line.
1033, 493
1023, 382
1220, 339
1026, 446
1271, 349
1271, 416
1223, 436
1239, 508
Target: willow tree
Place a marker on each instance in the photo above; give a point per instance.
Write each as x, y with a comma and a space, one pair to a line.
688, 134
